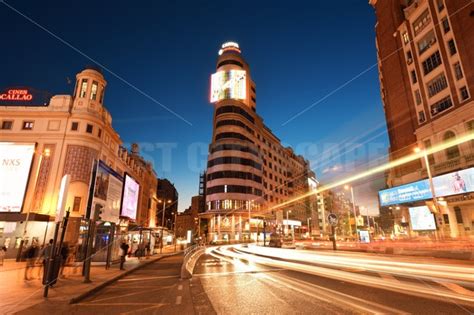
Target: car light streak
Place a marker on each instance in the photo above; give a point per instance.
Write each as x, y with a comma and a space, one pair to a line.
361, 279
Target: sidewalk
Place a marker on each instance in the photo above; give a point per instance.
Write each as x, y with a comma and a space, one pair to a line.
17, 294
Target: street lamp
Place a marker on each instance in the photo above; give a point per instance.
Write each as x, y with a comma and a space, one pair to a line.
347, 187
309, 227
287, 222
430, 178
163, 220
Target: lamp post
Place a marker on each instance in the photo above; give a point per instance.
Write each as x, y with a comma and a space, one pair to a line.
347, 187
430, 179
309, 227
164, 202
174, 230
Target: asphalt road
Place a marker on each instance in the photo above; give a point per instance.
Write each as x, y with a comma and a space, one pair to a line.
240, 280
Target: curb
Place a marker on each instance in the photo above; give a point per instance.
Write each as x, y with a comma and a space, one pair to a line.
102, 285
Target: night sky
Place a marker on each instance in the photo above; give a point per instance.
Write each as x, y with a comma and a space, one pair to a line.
298, 51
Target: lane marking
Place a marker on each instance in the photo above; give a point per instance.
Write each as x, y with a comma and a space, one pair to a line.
178, 299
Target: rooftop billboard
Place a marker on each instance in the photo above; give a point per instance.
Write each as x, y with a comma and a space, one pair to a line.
23, 96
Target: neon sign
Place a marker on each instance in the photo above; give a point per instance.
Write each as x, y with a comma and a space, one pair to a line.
23, 96
16, 95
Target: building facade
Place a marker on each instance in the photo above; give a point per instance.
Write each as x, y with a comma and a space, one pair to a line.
166, 191
426, 69
69, 134
249, 172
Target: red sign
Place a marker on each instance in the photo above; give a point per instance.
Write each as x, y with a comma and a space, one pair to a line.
16, 95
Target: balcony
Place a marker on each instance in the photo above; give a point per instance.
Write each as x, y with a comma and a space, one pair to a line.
448, 165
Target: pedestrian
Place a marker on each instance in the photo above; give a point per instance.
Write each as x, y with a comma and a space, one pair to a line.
3, 252
123, 253
30, 256
147, 250
64, 257
46, 254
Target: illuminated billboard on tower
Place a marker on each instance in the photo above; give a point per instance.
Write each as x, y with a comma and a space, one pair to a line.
231, 84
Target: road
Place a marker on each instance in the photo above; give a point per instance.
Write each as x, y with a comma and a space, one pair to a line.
250, 279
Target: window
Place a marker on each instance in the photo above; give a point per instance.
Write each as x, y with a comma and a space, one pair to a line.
426, 42
234, 109
451, 152
440, 4
431, 63
417, 97
101, 99
421, 117
89, 128
458, 213
94, 90
470, 129
83, 88
464, 93
442, 105
99, 134
76, 206
406, 38
413, 77
234, 160
7, 124
28, 125
232, 135
421, 22
446, 26
436, 85
234, 122
409, 57
458, 71
452, 47
74, 126
234, 189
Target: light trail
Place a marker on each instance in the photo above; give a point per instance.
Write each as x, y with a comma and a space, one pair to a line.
428, 271
381, 168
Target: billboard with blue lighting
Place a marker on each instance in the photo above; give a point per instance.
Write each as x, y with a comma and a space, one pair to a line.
406, 193
453, 183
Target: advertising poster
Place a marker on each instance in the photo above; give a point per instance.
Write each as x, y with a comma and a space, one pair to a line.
364, 236
454, 183
108, 192
15, 165
406, 193
422, 219
228, 85
131, 190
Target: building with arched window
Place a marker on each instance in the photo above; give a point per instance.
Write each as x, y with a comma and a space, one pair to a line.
426, 72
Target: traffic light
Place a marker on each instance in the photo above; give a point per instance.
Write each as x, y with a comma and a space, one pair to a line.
98, 212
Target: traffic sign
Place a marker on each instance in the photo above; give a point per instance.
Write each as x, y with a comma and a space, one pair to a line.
332, 219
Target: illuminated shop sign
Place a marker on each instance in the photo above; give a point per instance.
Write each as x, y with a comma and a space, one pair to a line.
23, 96
130, 196
422, 219
444, 185
15, 165
229, 84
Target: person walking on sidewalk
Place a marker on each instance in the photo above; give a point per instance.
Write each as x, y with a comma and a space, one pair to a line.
64, 257
3, 252
123, 253
30, 256
46, 254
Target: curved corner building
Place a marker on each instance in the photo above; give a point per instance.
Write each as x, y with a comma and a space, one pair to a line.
248, 169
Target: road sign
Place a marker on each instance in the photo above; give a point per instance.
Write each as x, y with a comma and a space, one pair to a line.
332, 219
